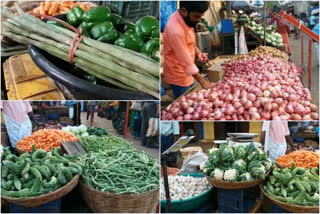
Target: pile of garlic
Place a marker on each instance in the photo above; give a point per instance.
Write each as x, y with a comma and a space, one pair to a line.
184, 187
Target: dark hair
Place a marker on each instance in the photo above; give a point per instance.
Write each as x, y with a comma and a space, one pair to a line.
195, 6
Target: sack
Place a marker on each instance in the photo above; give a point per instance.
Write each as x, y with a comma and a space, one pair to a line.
153, 127
192, 163
136, 106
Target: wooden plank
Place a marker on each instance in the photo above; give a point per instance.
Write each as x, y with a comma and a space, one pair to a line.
73, 148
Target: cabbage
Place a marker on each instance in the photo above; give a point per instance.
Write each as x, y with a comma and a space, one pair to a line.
82, 129
85, 134
75, 130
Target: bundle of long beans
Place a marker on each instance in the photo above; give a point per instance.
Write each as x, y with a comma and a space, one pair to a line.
121, 67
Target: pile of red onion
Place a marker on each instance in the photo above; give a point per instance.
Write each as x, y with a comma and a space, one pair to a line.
257, 88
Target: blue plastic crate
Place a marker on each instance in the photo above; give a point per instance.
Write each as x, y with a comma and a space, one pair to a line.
50, 207
226, 26
277, 209
235, 201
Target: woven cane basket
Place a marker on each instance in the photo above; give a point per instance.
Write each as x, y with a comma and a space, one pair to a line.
101, 202
291, 207
234, 185
45, 198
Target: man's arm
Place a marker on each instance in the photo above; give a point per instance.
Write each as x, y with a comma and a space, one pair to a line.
204, 83
289, 140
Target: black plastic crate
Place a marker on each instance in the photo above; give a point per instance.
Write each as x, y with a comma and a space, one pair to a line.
50, 207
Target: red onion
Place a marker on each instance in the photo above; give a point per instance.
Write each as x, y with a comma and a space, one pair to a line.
217, 115
307, 117
190, 110
204, 113
230, 110
265, 115
279, 101
314, 116
179, 118
251, 97
296, 117
255, 116
187, 117
289, 109
274, 106
314, 107
237, 105
195, 116
292, 97
253, 110
248, 104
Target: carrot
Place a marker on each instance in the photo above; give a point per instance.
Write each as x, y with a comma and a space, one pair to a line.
47, 5
300, 158
45, 139
54, 8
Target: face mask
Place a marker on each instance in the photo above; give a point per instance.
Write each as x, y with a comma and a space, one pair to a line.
189, 22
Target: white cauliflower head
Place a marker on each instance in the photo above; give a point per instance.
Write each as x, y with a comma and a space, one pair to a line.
212, 149
217, 174
203, 165
230, 175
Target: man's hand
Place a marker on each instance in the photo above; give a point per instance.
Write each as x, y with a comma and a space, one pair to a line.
203, 57
205, 84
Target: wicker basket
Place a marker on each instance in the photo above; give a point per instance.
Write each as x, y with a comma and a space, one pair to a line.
171, 171
291, 207
101, 202
234, 185
45, 198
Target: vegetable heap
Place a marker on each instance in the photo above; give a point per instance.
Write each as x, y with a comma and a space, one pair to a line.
123, 68
46, 139
120, 171
78, 131
272, 37
242, 163
256, 88
35, 173
97, 131
184, 187
95, 143
53, 8
300, 158
294, 185
102, 25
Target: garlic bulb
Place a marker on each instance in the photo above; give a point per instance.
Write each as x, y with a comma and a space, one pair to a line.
184, 187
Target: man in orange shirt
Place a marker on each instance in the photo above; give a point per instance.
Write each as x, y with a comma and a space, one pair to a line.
180, 51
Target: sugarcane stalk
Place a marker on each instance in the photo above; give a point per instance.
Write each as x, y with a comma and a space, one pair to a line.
137, 60
55, 48
147, 81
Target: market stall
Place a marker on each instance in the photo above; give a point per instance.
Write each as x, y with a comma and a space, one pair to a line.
235, 174
42, 172
246, 83
115, 58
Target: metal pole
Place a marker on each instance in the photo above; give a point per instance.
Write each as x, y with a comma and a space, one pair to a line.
125, 131
309, 63
302, 54
166, 182
264, 23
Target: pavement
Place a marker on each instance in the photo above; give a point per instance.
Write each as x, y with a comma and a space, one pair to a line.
296, 58
107, 124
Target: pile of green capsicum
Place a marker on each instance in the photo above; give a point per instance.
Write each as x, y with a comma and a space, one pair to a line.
101, 24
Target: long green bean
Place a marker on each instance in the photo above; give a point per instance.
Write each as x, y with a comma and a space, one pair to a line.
120, 171
96, 144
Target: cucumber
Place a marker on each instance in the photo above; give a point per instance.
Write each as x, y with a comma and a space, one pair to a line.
10, 165
10, 176
26, 168
50, 166
28, 184
36, 185
51, 184
48, 171
283, 191
56, 151
43, 171
76, 166
38, 155
270, 187
272, 180
4, 171
17, 183
67, 173
277, 191
293, 194
59, 160
306, 185
36, 173
277, 185
25, 176
24, 156
61, 177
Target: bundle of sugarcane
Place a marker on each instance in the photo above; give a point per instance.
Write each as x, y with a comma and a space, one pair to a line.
121, 67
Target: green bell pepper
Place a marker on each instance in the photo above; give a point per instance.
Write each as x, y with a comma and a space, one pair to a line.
129, 27
104, 32
147, 27
118, 22
75, 15
97, 14
130, 41
55, 23
151, 49
86, 27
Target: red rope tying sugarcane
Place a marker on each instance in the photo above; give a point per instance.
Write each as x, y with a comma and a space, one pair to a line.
76, 39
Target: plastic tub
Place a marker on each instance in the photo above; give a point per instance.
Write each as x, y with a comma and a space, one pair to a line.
190, 204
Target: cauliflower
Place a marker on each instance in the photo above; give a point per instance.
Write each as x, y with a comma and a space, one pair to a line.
217, 174
267, 164
230, 175
203, 165
212, 150
240, 164
246, 176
